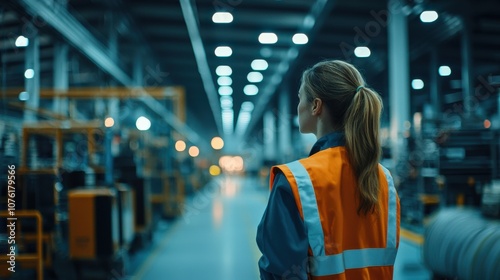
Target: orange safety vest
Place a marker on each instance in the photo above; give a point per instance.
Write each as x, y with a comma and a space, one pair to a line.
343, 244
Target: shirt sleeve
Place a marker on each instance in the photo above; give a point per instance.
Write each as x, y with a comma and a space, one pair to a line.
281, 236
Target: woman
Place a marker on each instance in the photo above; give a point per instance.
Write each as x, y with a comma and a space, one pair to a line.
334, 214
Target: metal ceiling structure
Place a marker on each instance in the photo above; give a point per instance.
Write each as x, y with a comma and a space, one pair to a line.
175, 42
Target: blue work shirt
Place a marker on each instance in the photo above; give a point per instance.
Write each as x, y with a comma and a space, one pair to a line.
281, 235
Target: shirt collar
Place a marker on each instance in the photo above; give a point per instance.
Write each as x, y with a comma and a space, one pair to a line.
330, 140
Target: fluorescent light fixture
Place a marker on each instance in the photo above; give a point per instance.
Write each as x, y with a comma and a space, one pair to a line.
255, 77
222, 17
247, 106
22, 42
417, 84
266, 52
251, 90
143, 123
225, 90
259, 65
23, 96
362, 52
300, 39
226, 102
227, 114
429, 16
223, 51
268, 38
225, 81
444, 70
29, 73
223, 70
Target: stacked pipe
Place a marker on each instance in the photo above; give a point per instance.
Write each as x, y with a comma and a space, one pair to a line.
461, 244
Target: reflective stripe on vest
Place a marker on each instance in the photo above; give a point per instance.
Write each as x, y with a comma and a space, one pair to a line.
321, 264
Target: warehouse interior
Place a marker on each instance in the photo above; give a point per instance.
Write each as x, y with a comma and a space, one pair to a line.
136, 137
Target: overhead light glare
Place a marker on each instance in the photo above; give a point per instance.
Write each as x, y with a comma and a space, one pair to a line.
444, 71
194, 151
222, 17
223, 51
23, 96
223, 70
226, 102
22, 42
251, 90
247, 106
268, 38
143, 123
225, 90
255, 77
417, 84
180, 145
362, 52
29, 73
300, 39
109, 122
429, 16
259, 65
225, 81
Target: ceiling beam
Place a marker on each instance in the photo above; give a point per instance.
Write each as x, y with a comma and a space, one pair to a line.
201, 60
74, 32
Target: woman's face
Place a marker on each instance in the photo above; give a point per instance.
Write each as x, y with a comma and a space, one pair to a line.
304, 111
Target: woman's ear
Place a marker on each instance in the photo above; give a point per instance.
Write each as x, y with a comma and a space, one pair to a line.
317, 107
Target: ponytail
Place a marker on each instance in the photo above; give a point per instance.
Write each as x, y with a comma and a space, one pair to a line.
356, 110
361, 125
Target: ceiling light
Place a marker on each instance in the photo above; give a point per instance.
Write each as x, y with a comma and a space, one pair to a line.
247, 106
223, 51
444, 70
227, 115
109, 122
268, 38
224, 81
222, 17
362, 52
226, 102
29, 73
143, 123
194, 151
217, 143
251, 90
180, 145
225, 90
300, 39
259, 65
255, 77
417, 84
223, 70
429, 16
23, 96
22, 42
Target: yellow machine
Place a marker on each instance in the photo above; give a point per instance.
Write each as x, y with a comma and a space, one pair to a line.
93, 223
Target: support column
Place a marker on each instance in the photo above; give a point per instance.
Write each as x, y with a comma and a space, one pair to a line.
285, 133
399, 76
467, 82
269, 136
61, 80
32, 85
434, 85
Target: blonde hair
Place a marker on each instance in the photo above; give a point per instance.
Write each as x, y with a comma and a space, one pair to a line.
354, 109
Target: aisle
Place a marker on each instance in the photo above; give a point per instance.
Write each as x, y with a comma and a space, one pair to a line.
215, 239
